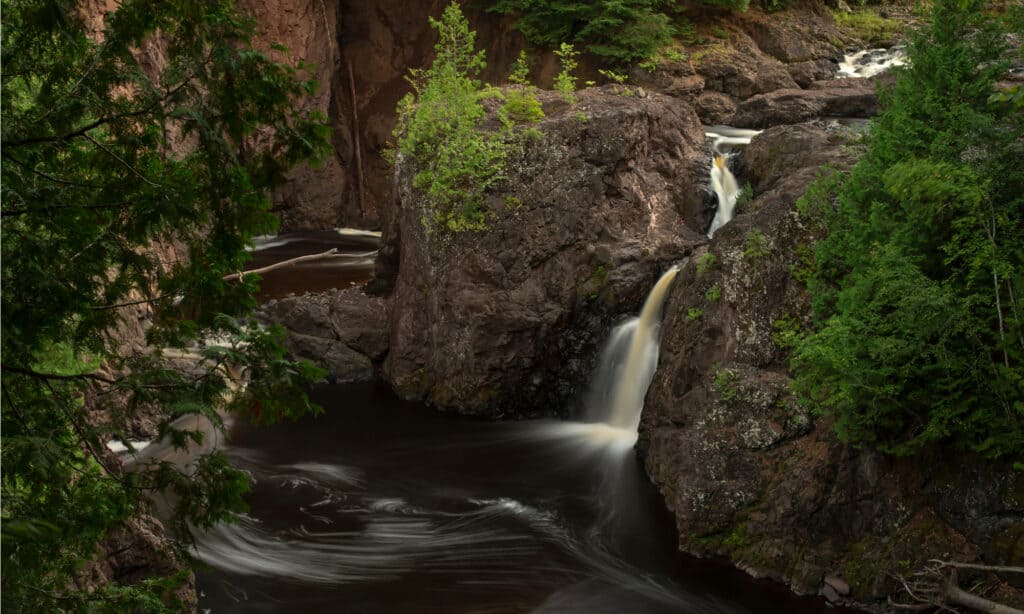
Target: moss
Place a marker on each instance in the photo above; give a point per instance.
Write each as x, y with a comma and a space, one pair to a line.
755, 245
725, 383
592, 286
706, 262
694, 313
868, 26
714, 293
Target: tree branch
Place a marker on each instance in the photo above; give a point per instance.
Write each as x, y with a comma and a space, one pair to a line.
74, 133
57, 376
284, 263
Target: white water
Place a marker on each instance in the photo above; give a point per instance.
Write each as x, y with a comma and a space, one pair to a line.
870, 62
724, 138
627, 367
723, 183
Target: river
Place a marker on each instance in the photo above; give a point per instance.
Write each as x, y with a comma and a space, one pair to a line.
382, 505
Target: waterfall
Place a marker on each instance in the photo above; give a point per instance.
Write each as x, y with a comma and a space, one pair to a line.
628, 362
723, 183
870, 62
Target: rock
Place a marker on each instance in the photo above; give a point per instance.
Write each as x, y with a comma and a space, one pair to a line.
741, 75
807, 72
508, 320
830, 593
139, 549
747, 472
343, 331
837, 584
791, 106
715, 107
311, 198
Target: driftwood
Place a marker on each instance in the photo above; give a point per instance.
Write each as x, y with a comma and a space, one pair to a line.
936, 586
279, 265
360, 180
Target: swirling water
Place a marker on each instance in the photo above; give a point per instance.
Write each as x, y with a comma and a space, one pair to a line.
381, 505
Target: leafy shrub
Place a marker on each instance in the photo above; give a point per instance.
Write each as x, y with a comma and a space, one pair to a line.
438, 127
755, 244
919, 335
619, 31
565, 82
706, 262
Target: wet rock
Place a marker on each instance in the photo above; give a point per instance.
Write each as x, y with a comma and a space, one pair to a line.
807, 72
507, 321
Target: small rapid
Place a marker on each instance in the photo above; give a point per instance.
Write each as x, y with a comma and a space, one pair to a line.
867, 63
724, 140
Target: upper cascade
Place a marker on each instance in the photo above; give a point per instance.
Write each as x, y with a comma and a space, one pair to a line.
724, 185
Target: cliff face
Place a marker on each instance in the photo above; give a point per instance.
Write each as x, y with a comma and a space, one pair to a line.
507, 321
748, 473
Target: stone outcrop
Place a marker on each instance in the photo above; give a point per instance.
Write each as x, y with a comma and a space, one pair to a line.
311, 198
792, 106
748, 473
507, 321
342, 331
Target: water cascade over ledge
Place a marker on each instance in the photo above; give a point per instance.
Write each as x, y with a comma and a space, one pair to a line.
723, 183
628, 362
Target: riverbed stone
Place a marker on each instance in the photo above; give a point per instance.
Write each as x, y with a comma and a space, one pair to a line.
507, 321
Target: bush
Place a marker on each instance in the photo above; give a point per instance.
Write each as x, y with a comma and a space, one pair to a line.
438, 128
917, 286
619, 31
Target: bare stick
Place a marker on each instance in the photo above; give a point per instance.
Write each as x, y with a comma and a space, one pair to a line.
994, 568
355, 136
282, 264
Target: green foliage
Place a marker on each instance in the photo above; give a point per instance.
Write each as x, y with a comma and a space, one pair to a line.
772, 6
786, 332
95, 180
714, 293
725, 383
720, 33
565, 82
694, 313
869, 26
581, 117
521, 105
613, 76
744, 198
917, 285
755, 245
618, 31
706, 262
438, 128
739, 5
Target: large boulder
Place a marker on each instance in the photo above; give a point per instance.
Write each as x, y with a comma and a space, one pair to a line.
507, 320
748, 473
791, 106
343, 331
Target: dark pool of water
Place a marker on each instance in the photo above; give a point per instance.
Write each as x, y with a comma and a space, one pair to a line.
351, 266
380, 505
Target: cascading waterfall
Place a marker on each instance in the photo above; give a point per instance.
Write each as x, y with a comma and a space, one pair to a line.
628, 362
871, 62
723, 183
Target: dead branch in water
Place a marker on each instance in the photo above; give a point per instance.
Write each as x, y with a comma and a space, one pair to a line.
936, 586
282, 264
